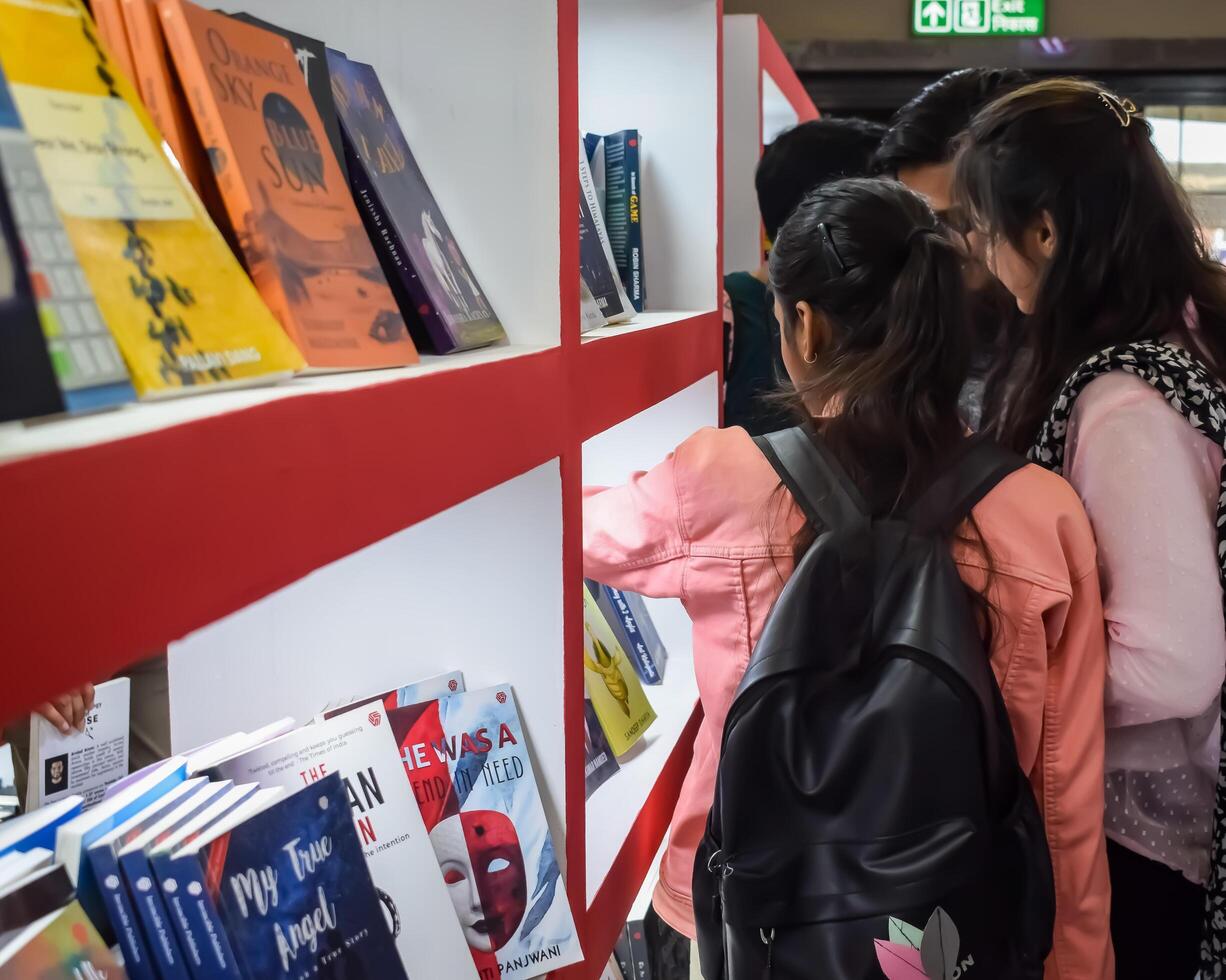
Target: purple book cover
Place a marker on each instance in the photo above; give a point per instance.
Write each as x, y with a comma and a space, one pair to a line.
432, 280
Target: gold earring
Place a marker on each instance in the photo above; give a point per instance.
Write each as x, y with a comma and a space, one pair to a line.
811, 360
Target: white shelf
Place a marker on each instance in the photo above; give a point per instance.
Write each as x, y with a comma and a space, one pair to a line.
647, 320
20, 439
615, 806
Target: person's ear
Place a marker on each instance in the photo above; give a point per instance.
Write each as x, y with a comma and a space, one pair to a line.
812, 332
1043, 235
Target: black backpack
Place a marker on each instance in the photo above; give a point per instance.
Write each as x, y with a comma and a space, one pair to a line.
870, 817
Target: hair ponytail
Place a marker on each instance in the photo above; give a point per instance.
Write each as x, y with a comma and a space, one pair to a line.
868, 256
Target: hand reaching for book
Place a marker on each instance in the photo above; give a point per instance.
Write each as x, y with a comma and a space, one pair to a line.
68, 711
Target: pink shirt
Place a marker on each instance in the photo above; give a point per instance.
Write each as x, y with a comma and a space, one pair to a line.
1150, 483
711, 526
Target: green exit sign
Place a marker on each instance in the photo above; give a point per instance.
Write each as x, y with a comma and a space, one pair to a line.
978, 18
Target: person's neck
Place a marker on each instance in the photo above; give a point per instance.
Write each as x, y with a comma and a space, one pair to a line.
762, 273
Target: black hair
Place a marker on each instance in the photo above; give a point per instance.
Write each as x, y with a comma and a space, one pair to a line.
807, 156
869, 256
925, 130
1128, 259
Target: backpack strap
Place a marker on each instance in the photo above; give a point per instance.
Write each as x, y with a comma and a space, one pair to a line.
979, 466
820, 485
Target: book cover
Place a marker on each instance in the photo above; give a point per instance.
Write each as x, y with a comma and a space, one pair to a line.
623, 708
468, 763
112, 33
293, 890
17, 865
81, 763
73, 838
104, 857
590, 317
285, 196
89, 370
622, 210
439, 686
596, 266
312, 57
62, 944
38, 829
37, 895
177, 302
163, 96
159, 931
599, 762
621, 952
640, 957
436, 285
360, 747
627, 615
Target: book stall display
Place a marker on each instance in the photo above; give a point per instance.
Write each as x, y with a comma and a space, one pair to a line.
307, 362
762, 97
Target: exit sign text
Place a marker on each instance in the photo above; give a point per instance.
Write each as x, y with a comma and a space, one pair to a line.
978, 18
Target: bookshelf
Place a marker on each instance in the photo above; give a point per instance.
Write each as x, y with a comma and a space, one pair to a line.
763, 97
298, 543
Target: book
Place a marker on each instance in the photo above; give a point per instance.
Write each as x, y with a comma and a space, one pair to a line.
359, 745
211, 803
103, 856
73, 838
81, 763
27, 899
38, 829
89, 372
627, 615
612, 970
284, 194
189, 910
640, 957
9, 804
178, 304
436, 286
622, 707
439, 686
621, 952
112, 33
163, 96
17, 865
590, 317
62, 944
596, 266
599, 762
621, 207
292, 891
312, 57
467, 760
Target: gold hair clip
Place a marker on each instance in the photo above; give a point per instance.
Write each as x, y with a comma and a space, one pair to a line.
1123, 109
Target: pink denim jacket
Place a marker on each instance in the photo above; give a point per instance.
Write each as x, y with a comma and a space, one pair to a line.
711, 526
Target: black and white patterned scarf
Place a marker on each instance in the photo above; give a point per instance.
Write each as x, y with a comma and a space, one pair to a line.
1193, 392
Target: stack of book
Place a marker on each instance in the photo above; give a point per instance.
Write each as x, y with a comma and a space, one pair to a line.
193, 200
611, 273
400, 835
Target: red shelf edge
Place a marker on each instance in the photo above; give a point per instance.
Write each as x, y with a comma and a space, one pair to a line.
276, 490
647, 366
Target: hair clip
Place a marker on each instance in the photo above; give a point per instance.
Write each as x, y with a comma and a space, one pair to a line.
824, 231
1123, 109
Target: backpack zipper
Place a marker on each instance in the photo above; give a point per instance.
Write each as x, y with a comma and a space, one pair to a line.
769, 941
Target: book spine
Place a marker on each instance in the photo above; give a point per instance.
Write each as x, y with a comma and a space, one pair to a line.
195, 918
640, 961
621, 618
634, 232
151, 914
110, 29
622, 215
425, 324
136, 958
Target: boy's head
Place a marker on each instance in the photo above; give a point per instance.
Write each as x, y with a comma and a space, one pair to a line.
807, 156
919, 147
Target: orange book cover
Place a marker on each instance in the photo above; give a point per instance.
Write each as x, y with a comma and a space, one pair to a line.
110, 28
288, 202
159, 90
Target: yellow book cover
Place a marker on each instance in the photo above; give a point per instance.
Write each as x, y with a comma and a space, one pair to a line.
622, 707
178, 303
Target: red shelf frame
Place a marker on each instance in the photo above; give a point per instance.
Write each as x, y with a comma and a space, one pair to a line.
113, 550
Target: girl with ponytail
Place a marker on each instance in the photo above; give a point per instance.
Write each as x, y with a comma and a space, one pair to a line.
868, 294
1125, 344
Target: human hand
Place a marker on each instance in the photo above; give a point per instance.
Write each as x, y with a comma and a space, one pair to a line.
68, 711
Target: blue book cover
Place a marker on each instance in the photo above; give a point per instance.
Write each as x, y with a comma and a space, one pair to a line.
294, 893
438, 293
599, 762
622, 213
38, 829
627, 616
196, 918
